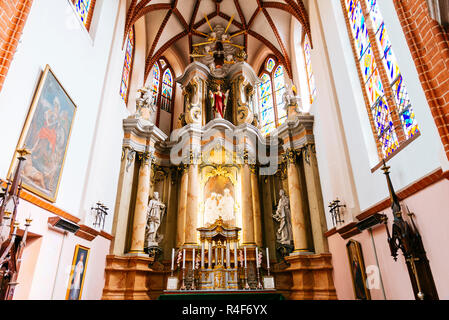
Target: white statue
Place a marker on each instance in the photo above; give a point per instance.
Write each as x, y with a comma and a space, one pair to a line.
155, 213
226, 205
210, 209
284, 233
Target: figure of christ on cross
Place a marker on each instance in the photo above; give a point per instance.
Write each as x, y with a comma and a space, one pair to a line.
219, 101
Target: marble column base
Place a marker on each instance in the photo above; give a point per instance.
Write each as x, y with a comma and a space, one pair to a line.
130, 278
312, 277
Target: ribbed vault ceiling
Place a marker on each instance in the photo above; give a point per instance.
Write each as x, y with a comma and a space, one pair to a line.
181, 23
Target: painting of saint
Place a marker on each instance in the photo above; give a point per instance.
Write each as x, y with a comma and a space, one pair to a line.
78, 272
46, 135
219, 200
357, 267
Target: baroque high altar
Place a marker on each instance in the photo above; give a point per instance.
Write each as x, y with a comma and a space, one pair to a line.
217, 206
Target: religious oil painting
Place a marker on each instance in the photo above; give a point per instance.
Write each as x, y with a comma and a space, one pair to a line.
46, 135
358, 273
77, 273
219, 200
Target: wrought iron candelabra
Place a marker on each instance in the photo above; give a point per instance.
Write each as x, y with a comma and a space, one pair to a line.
334, 209
12, 248
101, 211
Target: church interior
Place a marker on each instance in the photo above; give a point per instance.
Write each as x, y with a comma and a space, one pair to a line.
158, 149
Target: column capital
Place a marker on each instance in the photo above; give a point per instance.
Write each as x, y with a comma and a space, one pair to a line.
291, 155
146, 157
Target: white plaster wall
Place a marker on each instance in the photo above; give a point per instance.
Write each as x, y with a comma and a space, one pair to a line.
52, 36
89, 66
331, 147
415, 161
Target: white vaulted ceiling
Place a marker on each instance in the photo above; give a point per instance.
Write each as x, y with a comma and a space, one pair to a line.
173, 24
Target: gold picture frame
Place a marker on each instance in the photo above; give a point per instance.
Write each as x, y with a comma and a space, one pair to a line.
46, 134
77, 273
357, 269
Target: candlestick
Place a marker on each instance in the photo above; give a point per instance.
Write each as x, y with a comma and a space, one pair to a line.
222, 256
210, 255
183, 258
202, 255
216, 255
244, 254
172, 260
257, 257
268, 262
236, 263
228, 256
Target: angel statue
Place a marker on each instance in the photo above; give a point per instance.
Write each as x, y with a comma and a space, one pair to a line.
218, 102
284, 232
155, 213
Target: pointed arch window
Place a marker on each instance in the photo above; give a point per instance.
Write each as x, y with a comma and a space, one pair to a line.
310, 75
127, 66
85, 11
163, 85
271, 91
167, 90
392, 119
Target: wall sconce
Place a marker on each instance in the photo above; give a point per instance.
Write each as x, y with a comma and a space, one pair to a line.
334, 209
101, 211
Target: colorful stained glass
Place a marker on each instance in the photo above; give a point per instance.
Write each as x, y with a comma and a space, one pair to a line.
124, 87
374, 87
167, 90
266, 100
155, 86
163, 64
82, 8
270, 65
279, 87
370, 67
309, 69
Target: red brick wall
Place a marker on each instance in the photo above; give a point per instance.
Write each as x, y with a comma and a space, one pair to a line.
13, 14
429, 46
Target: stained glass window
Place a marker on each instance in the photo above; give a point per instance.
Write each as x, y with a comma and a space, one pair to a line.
127, 67
163, 85
155, 86
371, 67
310, 75
84, 9
271, 91
167, 90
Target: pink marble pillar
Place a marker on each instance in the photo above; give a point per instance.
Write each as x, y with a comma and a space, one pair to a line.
180, 233
140, 212
193, 191
297, 212
247, 206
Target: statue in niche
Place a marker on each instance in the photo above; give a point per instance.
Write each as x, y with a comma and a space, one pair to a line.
292, 101
144, 107
282, 215
218, 102
155, 213
192, 95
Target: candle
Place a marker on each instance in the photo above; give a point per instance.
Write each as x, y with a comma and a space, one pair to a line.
173, 259
193, 259
202, 255
216, 255
244, 253
268, 259
210, 255
236, 263
228, 257
257, 257
183, 258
